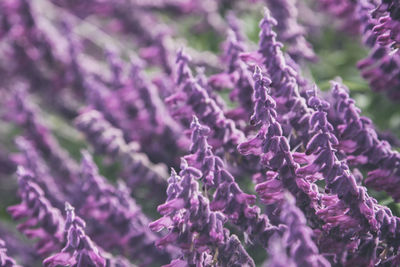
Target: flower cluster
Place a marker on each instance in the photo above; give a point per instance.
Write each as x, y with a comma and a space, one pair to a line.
289, 30
264, 166
118, 222
194, 228
79, 249
378, 23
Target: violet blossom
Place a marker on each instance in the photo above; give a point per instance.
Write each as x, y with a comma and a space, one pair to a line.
79, 249
228, 198
115, 220
25, 114
5, 260
137, 168
43, 220
193, 227
289, 29
298, 236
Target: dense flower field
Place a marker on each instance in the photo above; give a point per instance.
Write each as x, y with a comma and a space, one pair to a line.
199, 133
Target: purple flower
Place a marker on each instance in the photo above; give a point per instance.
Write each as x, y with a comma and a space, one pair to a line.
301, 151
345, 11
289, 30
285, 171
284, 88
193, 227
228, 197
79, 250
24, 114
183, 72
194, 99
320, 141
388, 29
298, 237
114, 219
43, 220
137, 102
116, 68
359, 140
137, 168
273, 149
277, 254
16, 246
237, 76
381, 67
5, 260
31, 160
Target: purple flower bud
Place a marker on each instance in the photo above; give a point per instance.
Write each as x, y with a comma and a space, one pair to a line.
27, 116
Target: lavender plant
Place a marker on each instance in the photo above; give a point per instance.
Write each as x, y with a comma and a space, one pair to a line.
43, 220
198, 231
266, 168
79, 249
378, 24
116, 221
